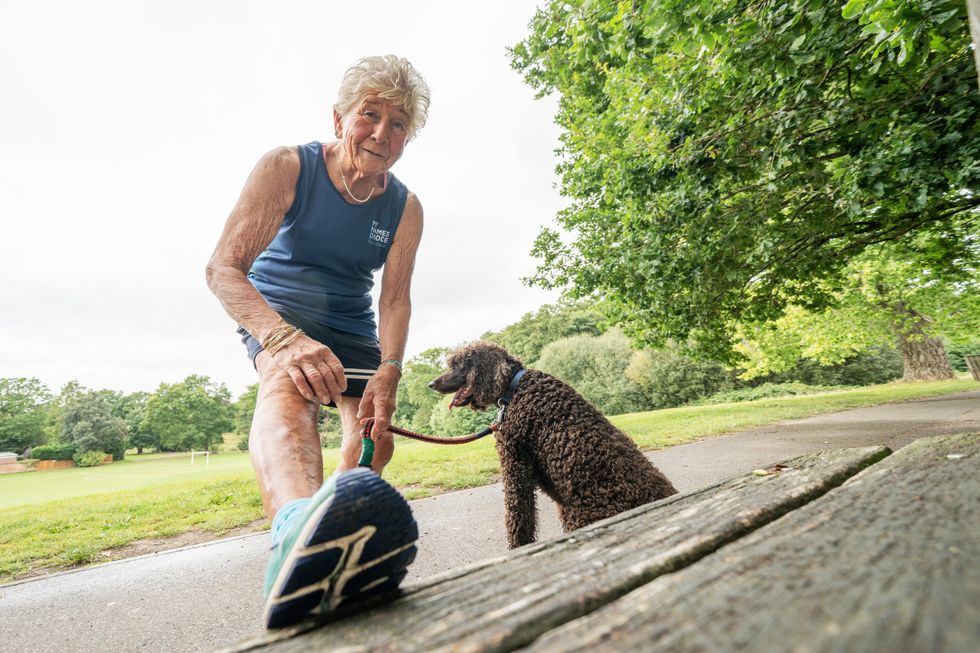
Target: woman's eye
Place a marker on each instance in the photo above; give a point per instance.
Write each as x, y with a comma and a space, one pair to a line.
399, 125
370, 114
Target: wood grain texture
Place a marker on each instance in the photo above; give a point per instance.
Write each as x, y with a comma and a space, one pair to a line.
890, 561
507, 603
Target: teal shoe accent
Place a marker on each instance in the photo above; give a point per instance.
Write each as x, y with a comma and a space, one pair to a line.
355, 539
285, 516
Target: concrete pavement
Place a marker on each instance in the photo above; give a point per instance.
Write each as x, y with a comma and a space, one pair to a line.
210, 595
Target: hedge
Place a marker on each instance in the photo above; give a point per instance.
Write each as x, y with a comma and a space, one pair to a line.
53, 452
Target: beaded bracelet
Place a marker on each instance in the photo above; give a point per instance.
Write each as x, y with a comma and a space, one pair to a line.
393, 361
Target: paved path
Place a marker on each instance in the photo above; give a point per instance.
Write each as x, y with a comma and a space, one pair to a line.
206, 596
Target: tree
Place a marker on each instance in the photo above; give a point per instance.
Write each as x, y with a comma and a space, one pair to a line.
56, 408
132, 409
729, 159
22, 413
883, 300
89, 425
416, 400
670, 378
245, 409
455, 422
192, 414
595, 367
526, 338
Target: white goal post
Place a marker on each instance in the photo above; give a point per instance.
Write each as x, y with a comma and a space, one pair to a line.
206, 454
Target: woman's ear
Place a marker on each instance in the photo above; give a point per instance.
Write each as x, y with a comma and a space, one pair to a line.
338, 124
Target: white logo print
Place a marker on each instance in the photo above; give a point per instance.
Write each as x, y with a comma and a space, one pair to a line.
378, 237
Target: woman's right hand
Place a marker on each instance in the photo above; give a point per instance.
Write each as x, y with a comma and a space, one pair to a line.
313, 367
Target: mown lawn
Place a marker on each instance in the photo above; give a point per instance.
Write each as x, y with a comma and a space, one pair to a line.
58, 519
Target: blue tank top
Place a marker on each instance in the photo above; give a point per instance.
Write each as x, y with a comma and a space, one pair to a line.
320, 266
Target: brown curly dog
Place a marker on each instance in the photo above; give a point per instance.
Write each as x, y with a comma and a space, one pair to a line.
554, 439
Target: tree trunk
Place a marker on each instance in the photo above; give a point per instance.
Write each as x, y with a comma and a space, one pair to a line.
924, 355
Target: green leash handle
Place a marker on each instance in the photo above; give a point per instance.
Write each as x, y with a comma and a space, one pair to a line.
367, 452
367, 446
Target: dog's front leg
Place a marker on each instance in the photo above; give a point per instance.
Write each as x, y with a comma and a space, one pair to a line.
521, 513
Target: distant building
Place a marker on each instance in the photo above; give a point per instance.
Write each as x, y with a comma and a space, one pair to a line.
7, 458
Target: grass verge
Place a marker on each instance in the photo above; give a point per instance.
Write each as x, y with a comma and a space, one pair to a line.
163, 496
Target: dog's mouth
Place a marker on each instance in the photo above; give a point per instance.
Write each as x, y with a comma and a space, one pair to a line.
463, 397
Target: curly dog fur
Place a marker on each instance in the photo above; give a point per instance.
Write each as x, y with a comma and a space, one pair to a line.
554, 439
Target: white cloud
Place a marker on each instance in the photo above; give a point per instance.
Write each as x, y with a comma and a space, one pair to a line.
128, 130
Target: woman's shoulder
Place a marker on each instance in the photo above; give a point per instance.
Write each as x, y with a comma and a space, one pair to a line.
282, 158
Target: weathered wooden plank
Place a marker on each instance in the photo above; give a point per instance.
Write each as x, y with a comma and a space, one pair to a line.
890, 561
511, 601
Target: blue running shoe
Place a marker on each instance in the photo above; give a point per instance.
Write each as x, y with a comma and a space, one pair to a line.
355, 539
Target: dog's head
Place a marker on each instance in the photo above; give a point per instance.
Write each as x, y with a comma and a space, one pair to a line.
478, 374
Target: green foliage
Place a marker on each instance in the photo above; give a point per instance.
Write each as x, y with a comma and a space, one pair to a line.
726, 160
882, 298
878, 364
459, 421
906, 31
766, 391
89, 458
245, 408
23, 413
328, 423
131, 409
188, 415
89, 425
958, 352
669, 378
53, 452
56, 407
416, 400
526, 338
596, 368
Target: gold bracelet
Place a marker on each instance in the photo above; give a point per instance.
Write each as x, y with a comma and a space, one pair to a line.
288, 339
276, 335
279, 337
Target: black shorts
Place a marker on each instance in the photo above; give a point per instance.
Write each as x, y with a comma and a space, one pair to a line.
360, 355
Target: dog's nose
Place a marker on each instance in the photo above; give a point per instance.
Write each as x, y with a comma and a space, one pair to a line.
432, 384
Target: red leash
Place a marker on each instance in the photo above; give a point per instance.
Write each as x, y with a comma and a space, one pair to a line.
367, 444
366, 433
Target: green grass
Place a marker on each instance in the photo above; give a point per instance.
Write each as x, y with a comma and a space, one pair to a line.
57, 519
666, 428
133, 473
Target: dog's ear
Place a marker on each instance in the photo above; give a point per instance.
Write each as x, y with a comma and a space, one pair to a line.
502, 374
490, 370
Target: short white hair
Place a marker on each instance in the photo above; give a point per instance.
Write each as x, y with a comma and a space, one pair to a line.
391, 78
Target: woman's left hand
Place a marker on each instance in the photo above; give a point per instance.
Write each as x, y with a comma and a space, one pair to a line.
379, 400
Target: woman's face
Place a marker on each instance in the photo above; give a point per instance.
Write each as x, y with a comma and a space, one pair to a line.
373, 134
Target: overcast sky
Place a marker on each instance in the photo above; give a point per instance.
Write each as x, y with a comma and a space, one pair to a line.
127, 130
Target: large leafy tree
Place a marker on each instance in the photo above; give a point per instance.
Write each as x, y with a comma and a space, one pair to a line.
729, 159
132, 408
191, 414
883, 300
596, 367
89, 424
23, 413
528, 336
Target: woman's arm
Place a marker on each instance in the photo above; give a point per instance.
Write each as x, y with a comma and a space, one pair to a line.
253, 223
395, 309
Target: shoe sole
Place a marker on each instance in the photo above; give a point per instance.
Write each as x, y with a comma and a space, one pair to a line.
340, 556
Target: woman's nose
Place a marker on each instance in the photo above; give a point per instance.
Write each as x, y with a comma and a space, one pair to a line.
381, 132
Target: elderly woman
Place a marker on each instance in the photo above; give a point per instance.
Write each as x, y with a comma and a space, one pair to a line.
294, 268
